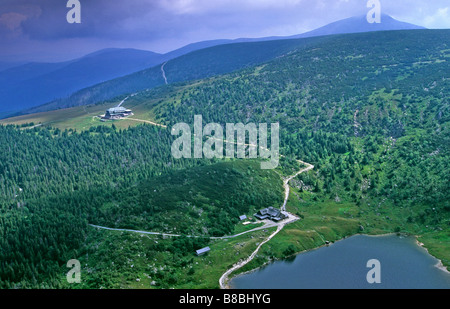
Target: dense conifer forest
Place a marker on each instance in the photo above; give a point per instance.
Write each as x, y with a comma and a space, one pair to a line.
369, 111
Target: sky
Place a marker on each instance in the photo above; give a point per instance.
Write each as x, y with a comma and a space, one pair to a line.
37, 30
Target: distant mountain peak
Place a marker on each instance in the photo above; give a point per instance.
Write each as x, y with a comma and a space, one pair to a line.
358, 24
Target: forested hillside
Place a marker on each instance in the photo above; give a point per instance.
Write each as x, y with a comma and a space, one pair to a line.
34, 84
56, 183
381, 88
370, 111
199, 64
52, 182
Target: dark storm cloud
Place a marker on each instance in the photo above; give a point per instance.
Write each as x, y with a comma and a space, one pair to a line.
139, 19
163, 25
154, 19
100, 19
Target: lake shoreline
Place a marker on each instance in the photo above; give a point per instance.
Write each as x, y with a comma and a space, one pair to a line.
438, 265
287, 257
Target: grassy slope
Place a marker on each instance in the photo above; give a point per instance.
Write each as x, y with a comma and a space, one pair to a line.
155, 258
331, 221
82, 118
138, 261
324, 219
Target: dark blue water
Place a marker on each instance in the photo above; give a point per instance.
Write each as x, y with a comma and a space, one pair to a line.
343, 265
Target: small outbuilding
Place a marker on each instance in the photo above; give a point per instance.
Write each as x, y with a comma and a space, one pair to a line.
203, 251
243, 217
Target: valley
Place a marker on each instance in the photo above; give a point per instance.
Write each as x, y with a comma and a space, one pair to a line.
367, 114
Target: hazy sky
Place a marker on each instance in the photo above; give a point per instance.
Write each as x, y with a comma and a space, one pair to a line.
38, 29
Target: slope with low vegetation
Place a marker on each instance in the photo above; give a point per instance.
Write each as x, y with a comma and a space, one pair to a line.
369, 111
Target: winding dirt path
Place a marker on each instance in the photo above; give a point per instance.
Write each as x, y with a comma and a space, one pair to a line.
268, 224
146, 121
223, 281
286, 182
164, 73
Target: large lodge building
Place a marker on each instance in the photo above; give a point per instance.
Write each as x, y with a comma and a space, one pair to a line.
117, 113
271, 214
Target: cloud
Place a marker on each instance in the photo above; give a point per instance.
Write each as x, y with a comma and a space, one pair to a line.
12, 20
182, 7
163, 25
441, 19
151, 20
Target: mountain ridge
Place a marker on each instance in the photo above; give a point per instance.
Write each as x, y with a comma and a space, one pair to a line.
31, 87
33, 84
347, 25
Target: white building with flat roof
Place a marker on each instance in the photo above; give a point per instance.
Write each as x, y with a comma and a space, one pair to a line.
117, 113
